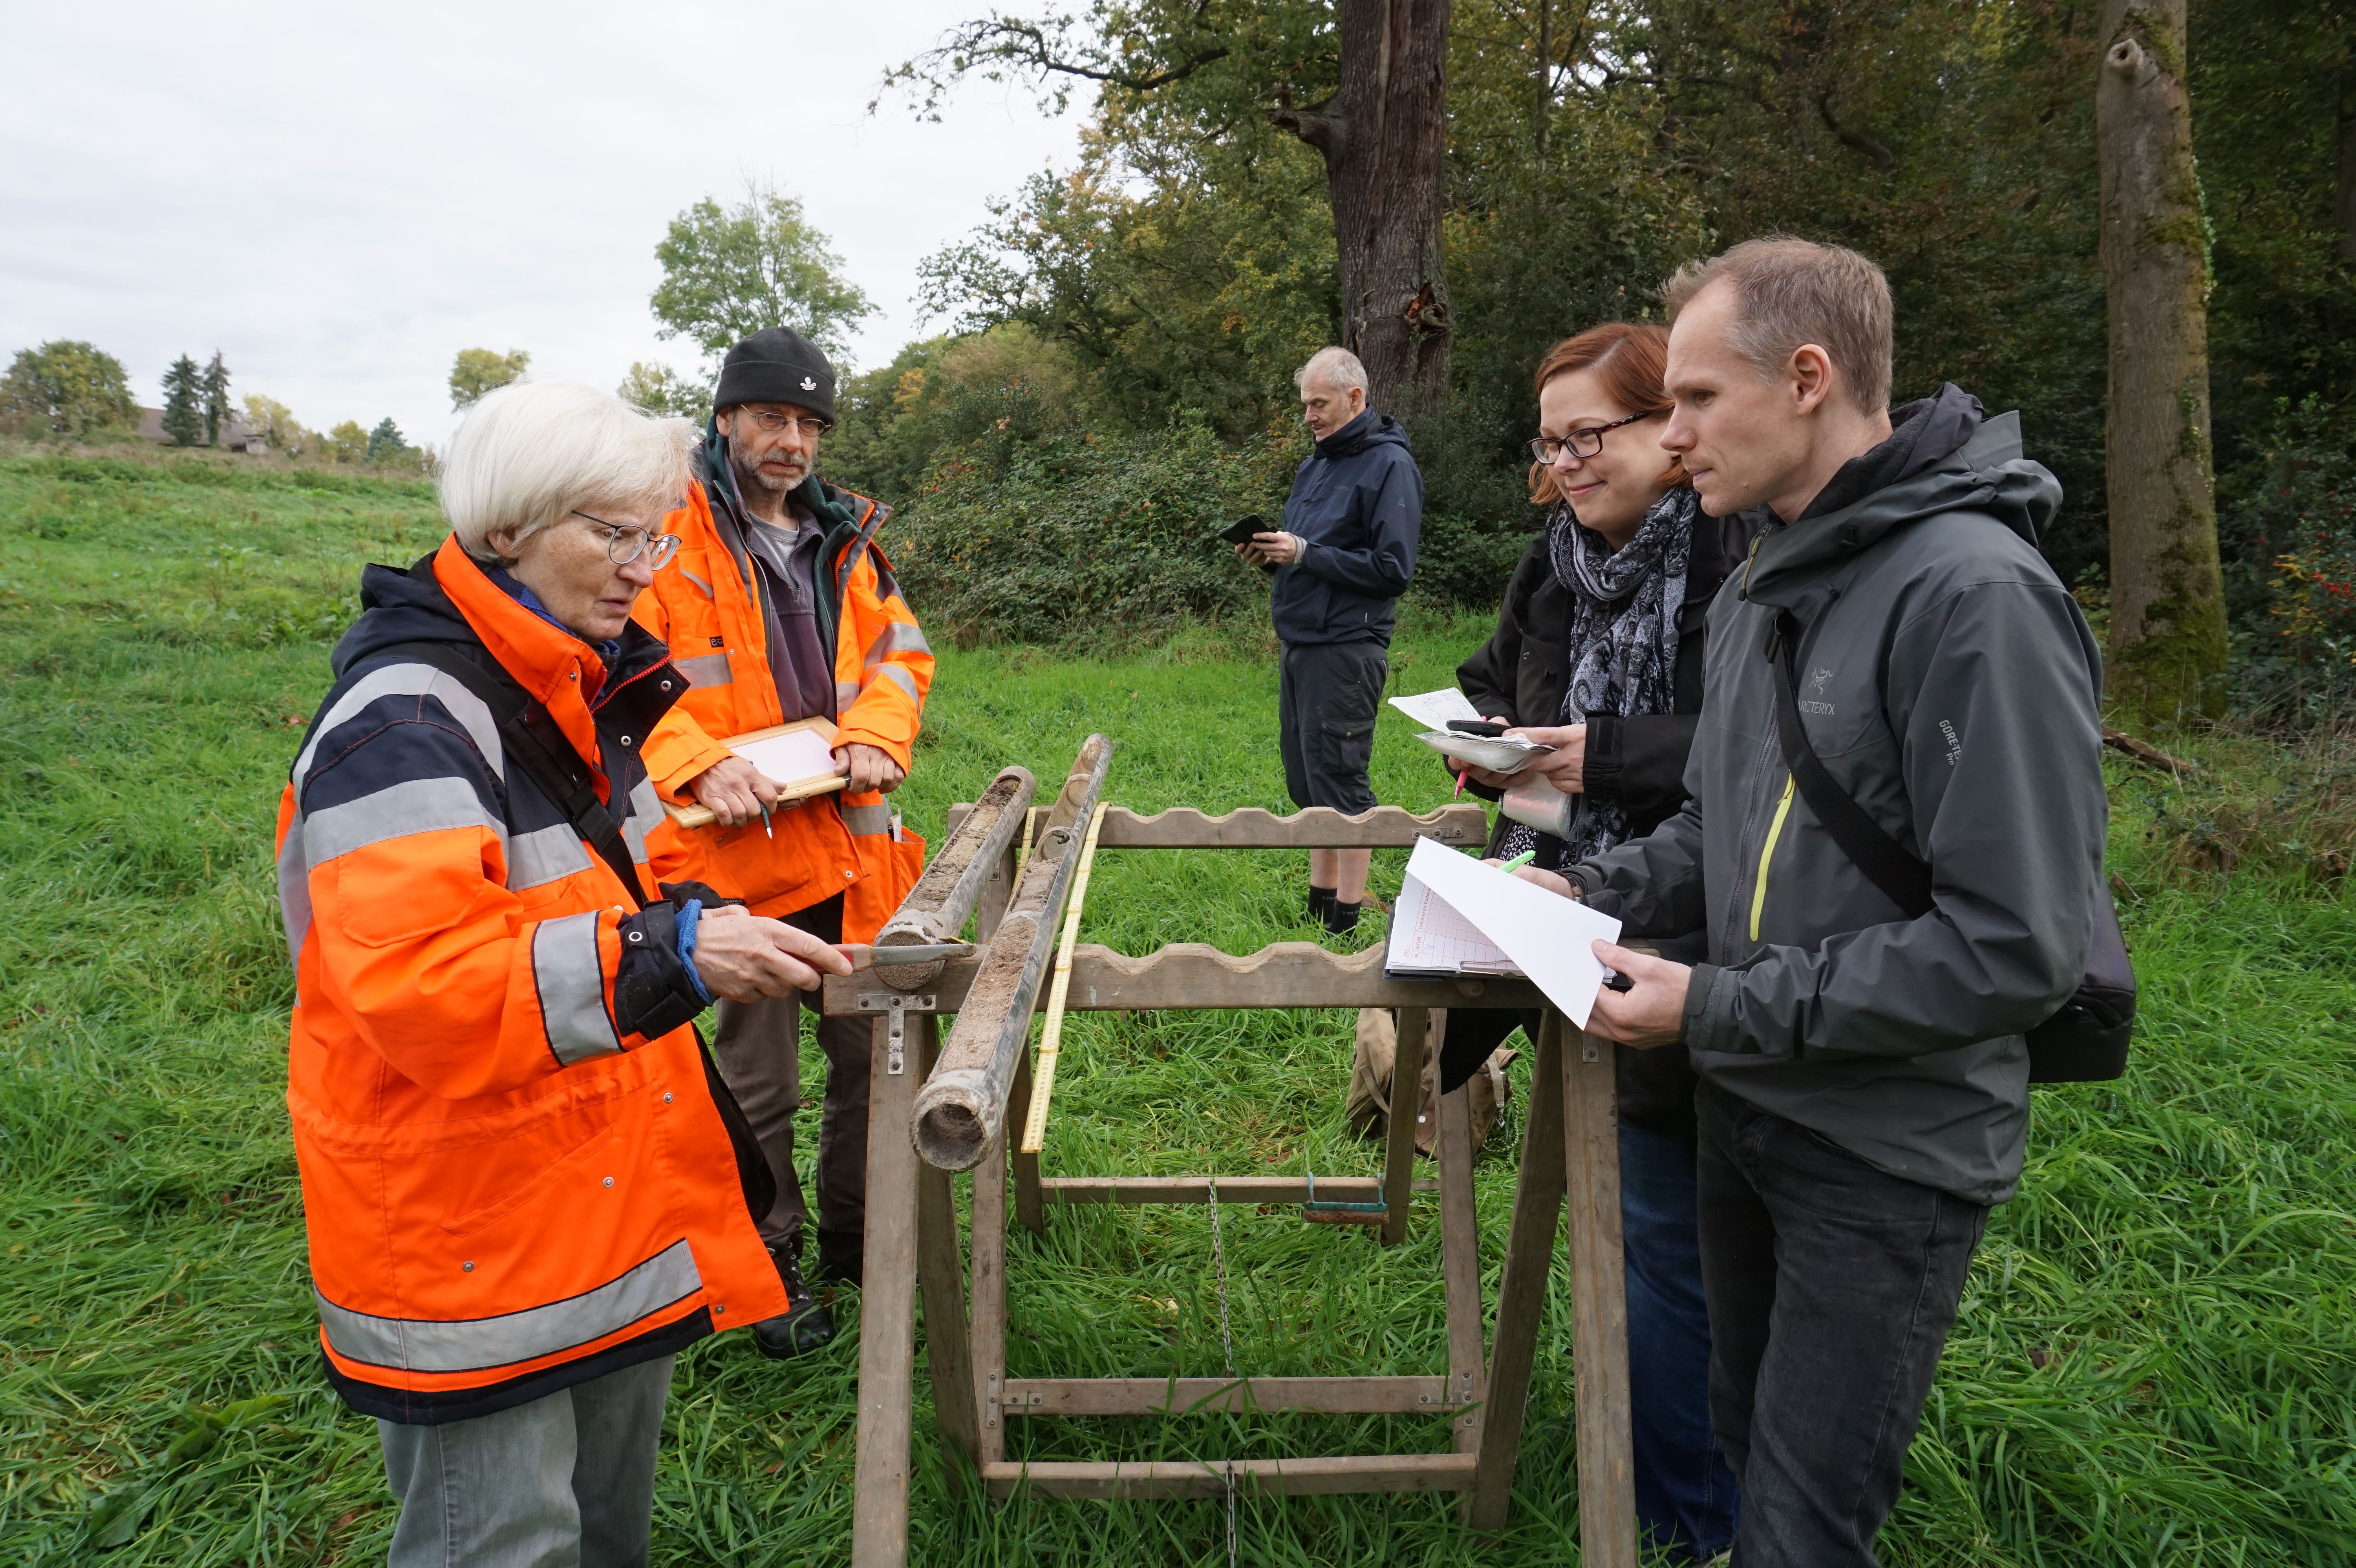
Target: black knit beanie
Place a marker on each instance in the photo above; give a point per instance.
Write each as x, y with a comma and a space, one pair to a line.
776, 365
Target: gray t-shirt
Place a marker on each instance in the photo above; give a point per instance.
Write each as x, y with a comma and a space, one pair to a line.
786, 563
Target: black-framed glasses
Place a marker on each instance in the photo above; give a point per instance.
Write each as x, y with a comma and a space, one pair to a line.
771, 423
625, 542
1583, 444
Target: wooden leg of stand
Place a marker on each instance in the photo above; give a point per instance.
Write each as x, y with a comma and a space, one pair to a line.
1598, 1291
1459, 1264
887, 1320
990, 1297
940, 1269
1028, 1206
1521, 1294
1406, 1103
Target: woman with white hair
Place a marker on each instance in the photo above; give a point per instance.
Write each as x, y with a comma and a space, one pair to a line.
526, 1189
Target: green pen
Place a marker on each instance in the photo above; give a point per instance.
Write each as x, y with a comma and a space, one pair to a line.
1524, 859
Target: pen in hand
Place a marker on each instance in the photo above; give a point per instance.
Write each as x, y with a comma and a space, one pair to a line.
1524, 859
764, 818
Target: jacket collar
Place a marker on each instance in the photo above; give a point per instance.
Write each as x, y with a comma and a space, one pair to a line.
1985, 472
557, 668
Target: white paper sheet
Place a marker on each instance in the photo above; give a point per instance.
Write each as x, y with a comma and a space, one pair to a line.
1429, 937
1547, 937
1502, 755
1433, 710
789, 757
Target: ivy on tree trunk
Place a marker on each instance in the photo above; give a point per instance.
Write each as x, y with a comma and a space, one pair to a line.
2167, 643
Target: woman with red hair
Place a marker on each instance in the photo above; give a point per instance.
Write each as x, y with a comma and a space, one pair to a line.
1598, 653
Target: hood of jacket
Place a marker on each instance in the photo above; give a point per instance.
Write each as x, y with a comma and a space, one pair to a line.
1369, 429
397, 607
1942, 456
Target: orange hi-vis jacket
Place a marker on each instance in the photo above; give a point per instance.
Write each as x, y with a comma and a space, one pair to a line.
705, 606
517, 1173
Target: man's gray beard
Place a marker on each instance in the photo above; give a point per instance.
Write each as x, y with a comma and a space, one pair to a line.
750, 479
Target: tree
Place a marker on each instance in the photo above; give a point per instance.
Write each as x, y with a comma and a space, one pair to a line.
217, 403
276, 425
730, 272
384, 442
1384, 136
660, 390
184, 419
68, 387
477, 371
1361, 81
347, 443
2168, 639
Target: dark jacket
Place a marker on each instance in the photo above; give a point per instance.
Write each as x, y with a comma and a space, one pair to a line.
1518, 676
1356, 506
1951, 686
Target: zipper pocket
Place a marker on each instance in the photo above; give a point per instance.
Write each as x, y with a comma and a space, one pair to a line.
1767, 853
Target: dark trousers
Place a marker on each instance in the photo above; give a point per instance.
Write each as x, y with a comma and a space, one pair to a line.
758, 1046
1832, 1287
1327, 697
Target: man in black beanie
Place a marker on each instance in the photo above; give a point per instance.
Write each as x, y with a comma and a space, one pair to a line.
779, 607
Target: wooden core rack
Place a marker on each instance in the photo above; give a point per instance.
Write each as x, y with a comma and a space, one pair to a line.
938, 1106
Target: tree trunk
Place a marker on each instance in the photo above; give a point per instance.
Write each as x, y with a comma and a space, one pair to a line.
1383, 136
2168, 616
2343, 205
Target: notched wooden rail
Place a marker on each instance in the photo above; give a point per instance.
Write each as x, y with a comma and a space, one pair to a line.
1194, 975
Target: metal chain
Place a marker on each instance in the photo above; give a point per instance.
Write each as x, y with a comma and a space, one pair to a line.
1226, 1337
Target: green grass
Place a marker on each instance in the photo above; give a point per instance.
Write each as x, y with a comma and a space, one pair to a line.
2156, 1363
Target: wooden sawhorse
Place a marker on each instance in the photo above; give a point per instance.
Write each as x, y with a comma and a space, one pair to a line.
934, 1109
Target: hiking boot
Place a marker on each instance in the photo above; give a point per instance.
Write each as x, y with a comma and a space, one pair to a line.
805, 1325
840, 1255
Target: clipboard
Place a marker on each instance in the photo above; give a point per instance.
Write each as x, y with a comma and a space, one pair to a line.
790, 792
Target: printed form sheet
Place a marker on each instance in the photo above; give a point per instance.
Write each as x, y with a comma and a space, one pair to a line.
1456, 915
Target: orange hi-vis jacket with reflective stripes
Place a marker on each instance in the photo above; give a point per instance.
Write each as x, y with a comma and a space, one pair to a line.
517, 1172
705, 606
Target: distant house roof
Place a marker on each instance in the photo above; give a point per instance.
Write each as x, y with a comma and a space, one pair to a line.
233, 436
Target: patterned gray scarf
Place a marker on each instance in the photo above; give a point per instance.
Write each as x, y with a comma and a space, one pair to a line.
1621, 640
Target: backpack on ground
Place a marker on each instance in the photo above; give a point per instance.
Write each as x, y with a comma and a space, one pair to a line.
1369, 1105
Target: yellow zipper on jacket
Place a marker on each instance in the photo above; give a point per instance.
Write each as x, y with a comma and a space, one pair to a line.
1767, 853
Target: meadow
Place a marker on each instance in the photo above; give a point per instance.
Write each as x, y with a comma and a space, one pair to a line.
2155, 1365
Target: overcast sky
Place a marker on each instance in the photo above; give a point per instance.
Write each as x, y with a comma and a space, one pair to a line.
340, 198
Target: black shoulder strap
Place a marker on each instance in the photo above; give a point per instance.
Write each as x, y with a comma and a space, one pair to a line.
534, 742
1885, 862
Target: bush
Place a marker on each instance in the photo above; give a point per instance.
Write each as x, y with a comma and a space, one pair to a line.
1079, 536
2288, 528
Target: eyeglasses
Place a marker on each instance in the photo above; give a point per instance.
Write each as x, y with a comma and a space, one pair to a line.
1583, 444
626, 542
771, 423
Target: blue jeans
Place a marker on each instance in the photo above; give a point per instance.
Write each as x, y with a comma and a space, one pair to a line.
1685, 1492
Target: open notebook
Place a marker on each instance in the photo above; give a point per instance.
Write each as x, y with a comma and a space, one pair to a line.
1457, 916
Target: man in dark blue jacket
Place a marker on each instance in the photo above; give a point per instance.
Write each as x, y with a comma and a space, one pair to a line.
1346, 553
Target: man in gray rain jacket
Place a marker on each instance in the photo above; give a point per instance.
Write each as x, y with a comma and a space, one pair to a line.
1865, 1082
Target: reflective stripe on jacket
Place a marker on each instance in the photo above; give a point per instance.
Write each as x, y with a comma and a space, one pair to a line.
514, 1174
704, 605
